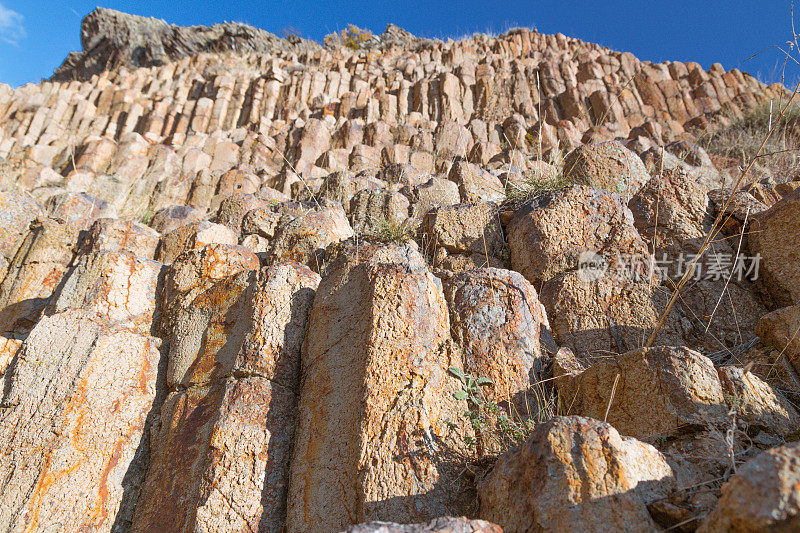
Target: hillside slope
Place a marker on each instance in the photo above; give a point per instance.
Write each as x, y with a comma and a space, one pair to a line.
261, 284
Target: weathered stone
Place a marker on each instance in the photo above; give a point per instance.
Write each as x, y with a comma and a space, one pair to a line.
496, 317
435, 192
764, 495
464, 229
233, 209
114, 235
78, 209
262, 222
757, 403
72, 425
608, 166
550, 232
373, 210
773, 235
197, 271
171, 218
575, 473
672, 213
116, 285
17, 211
438, 525
192, 237
779, 330
34, 274
660, 392
475, 184
303, 238
377, 330
237, 348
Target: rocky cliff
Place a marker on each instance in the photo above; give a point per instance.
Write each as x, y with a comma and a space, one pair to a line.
256, 284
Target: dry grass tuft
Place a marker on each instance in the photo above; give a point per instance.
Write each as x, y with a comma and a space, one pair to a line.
740, 141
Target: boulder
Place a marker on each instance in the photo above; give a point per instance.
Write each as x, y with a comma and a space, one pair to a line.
660, 391
170, 218
764, 495
575, 474
475, 184
605, 315
773, 234
373, 210
436, 192
192, 237
115, 235
779, 330
233, 208
497, 318
757, 403
78, 209
305, 237
549, 233
672, 213
608, 166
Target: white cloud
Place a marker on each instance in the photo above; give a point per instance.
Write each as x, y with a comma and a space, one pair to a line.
11, 29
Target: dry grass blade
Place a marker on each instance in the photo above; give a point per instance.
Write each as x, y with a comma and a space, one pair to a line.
611, 398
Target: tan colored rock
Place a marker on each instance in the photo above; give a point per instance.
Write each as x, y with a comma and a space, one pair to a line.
192, 237
608, 166
549, 233
303, 238
672, 213
497, 318
34, 274
773, 234
78, 209
475, 184
197, 271
116, 285
378, 330
660, 391
764, 495
263, 222
17, 211
445, 524
373, 210
452, 140
342, 186
435, 192
233, 209
461, 229
114, 235
779, 330
171, 218
575, 473
222, 462
72, 424
757, 403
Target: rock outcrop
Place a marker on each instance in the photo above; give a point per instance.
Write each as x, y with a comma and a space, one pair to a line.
261, 284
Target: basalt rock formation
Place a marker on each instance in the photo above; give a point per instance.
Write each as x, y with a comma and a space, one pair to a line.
261, 284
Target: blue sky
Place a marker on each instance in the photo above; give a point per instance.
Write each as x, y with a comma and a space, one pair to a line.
36, 35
